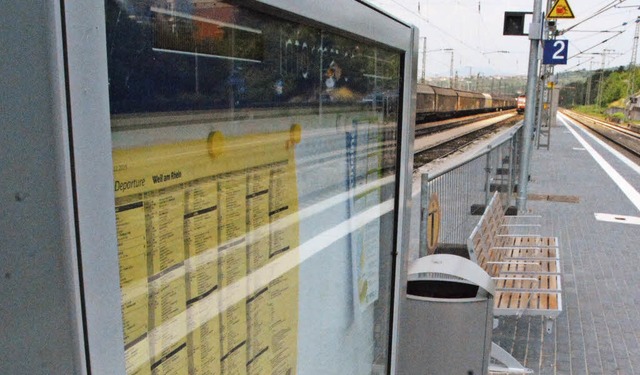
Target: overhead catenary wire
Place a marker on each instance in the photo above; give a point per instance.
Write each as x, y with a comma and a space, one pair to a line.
438, 28
577, 65
468, 51
627, 6
594, 46
468, 42
614, 29
597, 13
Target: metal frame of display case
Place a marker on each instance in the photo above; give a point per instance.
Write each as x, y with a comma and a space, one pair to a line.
68, 40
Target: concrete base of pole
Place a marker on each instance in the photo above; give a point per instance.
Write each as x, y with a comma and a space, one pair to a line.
521, 205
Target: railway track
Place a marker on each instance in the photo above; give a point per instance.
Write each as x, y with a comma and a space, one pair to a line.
454, 144
627, 139
426, 128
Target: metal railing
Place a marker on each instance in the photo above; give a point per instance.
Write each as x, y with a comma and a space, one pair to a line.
452, 199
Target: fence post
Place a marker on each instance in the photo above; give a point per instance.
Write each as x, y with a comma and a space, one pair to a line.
500, 167
487, 182
512, 153
424, 213
518, 164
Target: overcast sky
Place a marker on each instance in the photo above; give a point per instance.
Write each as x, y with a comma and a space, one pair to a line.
473, 29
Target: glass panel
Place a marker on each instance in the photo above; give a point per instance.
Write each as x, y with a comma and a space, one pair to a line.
255, 176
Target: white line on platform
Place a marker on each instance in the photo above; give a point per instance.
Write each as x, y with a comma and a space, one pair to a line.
612, 150
618, 218
623, 184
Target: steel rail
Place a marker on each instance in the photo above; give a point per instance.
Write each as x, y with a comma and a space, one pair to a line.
630, 140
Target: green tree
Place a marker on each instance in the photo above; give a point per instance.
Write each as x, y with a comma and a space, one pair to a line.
616, 86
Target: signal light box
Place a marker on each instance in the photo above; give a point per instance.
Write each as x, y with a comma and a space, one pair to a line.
514, 23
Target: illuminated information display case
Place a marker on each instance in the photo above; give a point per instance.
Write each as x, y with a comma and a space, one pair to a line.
239, 175
255, 177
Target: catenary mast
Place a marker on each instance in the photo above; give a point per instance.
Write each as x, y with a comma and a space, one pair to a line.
634, 56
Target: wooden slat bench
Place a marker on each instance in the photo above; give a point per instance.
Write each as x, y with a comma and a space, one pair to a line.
524, 267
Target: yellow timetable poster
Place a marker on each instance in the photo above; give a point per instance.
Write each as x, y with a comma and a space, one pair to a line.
258, 250
200, 215
364, 170
208, 241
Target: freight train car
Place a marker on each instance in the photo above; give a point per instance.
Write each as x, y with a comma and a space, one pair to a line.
434, 103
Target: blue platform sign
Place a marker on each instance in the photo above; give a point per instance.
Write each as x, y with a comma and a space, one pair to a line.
555, 52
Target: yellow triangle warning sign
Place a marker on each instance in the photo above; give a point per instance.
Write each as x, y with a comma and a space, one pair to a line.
561, 9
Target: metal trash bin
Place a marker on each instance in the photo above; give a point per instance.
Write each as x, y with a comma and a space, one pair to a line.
447, 319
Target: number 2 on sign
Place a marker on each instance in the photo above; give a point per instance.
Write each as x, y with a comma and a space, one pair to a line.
561, 47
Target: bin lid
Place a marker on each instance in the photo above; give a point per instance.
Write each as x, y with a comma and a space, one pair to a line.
452, 268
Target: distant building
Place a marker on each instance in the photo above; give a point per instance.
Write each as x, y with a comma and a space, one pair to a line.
632, 109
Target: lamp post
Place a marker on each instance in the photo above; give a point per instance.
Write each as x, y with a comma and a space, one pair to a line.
451, 70
424, 60
492, 52
489, 61
450, 50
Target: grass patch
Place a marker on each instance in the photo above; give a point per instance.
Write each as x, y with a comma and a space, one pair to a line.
592, 110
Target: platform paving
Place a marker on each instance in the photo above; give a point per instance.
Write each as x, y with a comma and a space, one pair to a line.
599, 330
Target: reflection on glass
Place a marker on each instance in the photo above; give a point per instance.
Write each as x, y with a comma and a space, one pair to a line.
179, 55
177, 32
254, 164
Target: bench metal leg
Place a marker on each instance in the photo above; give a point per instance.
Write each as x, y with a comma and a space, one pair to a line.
549, 325
509, 365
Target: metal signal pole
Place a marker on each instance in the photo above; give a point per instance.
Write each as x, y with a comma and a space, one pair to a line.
535, 34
